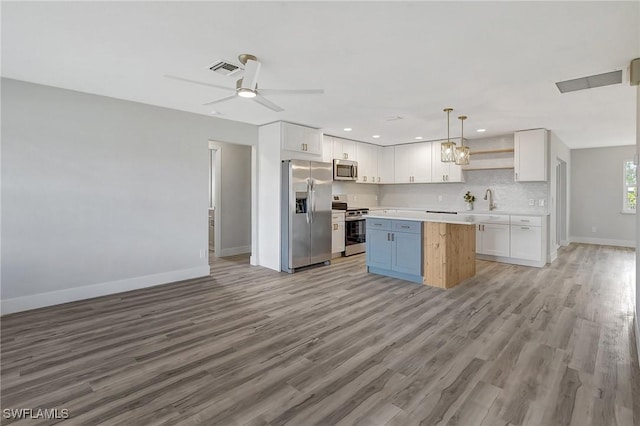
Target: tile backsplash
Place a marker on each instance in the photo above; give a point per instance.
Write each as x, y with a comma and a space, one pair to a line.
507, 194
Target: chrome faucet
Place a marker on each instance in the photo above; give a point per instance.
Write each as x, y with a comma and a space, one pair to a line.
490, 194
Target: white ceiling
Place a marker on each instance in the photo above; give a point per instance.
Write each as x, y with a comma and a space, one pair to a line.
494, 62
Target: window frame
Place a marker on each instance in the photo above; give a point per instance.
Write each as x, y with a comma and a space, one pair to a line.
625, 187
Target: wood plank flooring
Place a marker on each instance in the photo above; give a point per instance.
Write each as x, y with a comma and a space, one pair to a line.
337, 346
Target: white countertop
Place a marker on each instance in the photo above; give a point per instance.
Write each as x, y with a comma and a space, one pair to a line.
461, 212
466, 218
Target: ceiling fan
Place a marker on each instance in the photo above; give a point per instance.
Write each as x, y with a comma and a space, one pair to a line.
247, 86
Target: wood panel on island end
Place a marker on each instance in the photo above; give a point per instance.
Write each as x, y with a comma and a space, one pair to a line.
449, 252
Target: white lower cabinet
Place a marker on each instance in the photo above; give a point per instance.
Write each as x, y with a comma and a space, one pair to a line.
516, 239
337, 233
492, 239
526, 238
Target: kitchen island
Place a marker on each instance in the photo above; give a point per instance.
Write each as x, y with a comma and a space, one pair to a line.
427, 248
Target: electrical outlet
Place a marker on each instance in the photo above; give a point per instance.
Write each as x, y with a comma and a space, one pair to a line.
355, 197
532, 202
594, 229
203, 253
439, 197
541, 202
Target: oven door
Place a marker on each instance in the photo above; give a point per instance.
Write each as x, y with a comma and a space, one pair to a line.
355, 235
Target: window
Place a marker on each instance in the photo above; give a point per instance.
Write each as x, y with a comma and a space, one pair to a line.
630, 187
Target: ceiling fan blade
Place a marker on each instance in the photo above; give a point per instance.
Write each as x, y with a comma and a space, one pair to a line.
220, 100
292, 91
201, 83
267, 103
250, 76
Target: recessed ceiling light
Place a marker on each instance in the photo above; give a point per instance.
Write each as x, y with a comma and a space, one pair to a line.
347, 129
375, 136
481, 130
418, 137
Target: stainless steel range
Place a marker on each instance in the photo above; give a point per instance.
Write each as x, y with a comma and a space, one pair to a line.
355, 232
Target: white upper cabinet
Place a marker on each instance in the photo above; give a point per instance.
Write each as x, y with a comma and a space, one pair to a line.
530, 155
327, 149
444, 172
412, 163
344, 149
367, 158
386, 167
301, 139
402, 154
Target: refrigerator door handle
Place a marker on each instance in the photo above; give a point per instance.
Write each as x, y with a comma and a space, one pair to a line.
313, 200
308, 201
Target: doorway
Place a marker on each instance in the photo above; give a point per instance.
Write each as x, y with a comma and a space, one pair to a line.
214, 198
561, 203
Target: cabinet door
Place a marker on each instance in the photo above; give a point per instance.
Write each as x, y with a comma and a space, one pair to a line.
530, 155
386, 167
479, 240
455, 173
337, 237
344, 149
293, 137
367, 158
313, 141
495, 239
407, 253
327, 149
526, 242
420, 162
378, 248
439, 169
402, 154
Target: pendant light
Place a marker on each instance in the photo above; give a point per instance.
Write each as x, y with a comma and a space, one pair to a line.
448, 148
462, 152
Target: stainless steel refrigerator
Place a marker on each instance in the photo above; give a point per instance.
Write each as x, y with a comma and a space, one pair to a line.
305, 214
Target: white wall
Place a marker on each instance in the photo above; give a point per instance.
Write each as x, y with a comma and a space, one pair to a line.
233, 216
267, 219
596, 196
507, 194
101, 195
358, 194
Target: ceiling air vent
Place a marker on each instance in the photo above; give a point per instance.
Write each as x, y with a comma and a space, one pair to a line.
225, 68
598, 80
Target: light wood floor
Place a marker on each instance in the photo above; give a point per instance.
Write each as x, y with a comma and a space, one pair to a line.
334, 345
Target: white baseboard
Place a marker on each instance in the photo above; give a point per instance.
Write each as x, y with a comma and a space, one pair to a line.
512, 260
233, 251
553, 256
67, 295
604, 241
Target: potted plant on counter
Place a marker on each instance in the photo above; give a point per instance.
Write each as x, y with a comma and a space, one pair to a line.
469, 199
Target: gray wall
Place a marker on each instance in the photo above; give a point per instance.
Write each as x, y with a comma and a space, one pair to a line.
101, 195
596, 196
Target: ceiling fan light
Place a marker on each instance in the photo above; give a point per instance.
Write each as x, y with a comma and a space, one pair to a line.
246, 93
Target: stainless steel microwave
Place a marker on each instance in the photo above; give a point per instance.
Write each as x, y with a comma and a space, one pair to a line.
345, 170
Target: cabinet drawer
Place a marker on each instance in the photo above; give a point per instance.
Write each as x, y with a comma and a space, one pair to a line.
490, 218
337, 217
384, 224
526, 220
408, 226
